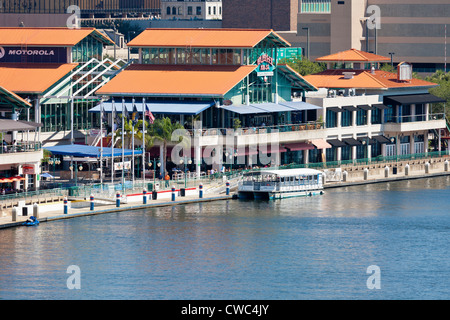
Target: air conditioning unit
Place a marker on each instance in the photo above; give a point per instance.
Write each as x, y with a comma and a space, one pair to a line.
331, 94
351, 92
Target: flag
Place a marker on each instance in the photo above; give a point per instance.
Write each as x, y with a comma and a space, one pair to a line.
150, 115
134, 113
126, 115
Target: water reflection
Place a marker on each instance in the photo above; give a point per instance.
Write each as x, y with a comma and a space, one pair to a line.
300, 248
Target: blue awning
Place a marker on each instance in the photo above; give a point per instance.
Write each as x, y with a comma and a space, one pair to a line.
163, 107
300, 105
271, 107
244, 109
77, 150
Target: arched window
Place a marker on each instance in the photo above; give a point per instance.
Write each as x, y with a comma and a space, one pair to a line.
180, 11
168, 11
174, 10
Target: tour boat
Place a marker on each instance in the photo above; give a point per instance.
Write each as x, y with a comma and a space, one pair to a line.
279, 184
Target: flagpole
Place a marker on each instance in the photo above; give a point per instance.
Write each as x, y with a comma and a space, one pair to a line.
113, 119
123, 144
132, 145
101, 143
143, 139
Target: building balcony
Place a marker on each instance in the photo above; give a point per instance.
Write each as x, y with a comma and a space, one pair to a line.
254, 135
415, 123
27, 156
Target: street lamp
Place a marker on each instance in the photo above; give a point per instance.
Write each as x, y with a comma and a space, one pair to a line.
54, 162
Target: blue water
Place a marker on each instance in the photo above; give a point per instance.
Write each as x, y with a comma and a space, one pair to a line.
291, 249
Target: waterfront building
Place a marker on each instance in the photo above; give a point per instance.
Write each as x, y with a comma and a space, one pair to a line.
369, 112
46, 75
20, 151
56, 69
226, 79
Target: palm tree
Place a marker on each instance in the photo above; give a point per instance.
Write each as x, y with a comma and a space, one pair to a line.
162, 130
129, 126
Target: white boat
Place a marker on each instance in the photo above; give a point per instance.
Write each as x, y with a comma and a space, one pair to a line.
279, 184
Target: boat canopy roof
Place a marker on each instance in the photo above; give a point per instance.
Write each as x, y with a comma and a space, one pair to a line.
286, 172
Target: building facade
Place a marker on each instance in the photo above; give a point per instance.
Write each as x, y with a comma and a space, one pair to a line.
226, 79
409, 30
191, 10
89, 8
43, 65
279, 15
370, 113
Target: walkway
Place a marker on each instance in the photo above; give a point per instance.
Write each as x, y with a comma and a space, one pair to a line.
6, 221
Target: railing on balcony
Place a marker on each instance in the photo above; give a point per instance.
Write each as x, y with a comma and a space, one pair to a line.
260, 129
416, 118
20, 147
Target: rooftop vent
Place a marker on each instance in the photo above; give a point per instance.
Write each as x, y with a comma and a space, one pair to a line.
348, 75
404, 71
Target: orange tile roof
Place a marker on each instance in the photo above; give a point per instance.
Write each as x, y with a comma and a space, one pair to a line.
163, 80
353, 55
32, 77
13, 98
61, 37
362, 79
210, 38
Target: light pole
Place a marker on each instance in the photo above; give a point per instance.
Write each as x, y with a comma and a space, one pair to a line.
307, 41
392, 58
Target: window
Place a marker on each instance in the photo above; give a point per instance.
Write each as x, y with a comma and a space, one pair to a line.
174, 10
180, 11
209, 10
316, 6
346, 120
331, 119
189, 11
199, 11
361, 117
376, 116
214, 10
168, 11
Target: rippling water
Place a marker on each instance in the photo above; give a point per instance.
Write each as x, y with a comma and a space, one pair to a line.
299, 248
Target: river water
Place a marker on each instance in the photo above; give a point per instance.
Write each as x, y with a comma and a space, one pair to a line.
291, 249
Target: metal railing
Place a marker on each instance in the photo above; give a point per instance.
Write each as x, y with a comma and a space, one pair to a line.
21, 147
258, 129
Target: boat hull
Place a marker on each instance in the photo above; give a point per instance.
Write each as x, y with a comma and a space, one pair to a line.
279, 195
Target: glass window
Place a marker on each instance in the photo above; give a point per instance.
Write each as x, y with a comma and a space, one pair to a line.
361, 117
199, 11
189, 11
346, 120
376, 116
331, 119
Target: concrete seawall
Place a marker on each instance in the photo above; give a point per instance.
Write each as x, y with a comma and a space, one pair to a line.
351, 176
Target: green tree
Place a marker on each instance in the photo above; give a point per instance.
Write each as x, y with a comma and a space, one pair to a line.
162, 130
304, 66
441, 91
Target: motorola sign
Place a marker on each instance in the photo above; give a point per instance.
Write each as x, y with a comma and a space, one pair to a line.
33, 54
